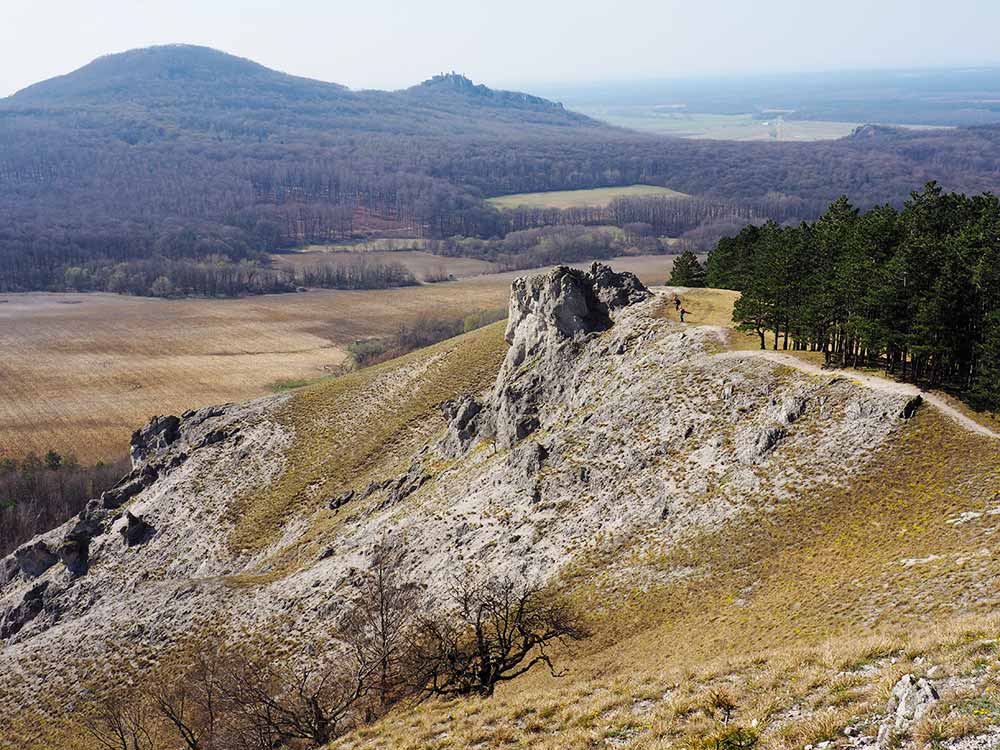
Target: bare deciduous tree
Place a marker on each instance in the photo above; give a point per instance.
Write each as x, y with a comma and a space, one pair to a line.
379, 627
194, 703
121, 721
498, 630
313, 704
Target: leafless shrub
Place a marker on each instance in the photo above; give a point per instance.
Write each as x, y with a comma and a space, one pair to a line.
379, 629
280, 704
194, 703
121, 721
498, 629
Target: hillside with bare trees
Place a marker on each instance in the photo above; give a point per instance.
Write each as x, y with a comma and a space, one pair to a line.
178, 154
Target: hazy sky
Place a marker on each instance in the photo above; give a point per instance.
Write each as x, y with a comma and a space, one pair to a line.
390, 44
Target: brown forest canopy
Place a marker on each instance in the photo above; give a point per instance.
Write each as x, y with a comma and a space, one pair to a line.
185, 152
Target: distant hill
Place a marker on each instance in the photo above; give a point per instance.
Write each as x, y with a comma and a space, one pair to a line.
173, 72
160, 83
185, 152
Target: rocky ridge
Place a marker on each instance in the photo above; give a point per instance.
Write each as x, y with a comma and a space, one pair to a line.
605, 421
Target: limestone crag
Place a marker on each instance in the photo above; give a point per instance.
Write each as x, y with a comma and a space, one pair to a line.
550, 319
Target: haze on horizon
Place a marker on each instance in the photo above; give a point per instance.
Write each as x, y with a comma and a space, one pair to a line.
392, 44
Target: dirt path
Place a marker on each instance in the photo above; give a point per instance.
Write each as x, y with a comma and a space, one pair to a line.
869, 381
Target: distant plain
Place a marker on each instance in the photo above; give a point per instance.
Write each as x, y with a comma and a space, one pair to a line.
740, 127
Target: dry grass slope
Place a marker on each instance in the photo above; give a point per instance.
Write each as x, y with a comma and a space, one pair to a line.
364, 426
807, 613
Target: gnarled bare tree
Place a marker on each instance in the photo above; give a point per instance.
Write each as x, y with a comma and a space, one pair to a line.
497, 629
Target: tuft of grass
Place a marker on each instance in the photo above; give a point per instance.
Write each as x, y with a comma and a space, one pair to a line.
290, 384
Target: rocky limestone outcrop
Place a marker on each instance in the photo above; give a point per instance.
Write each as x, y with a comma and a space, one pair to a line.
550, 317
157, 435
48, 577
911, 698
156, 449
28, 609
34, 558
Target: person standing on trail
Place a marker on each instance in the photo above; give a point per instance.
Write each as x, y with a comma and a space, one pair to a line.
683, 312
677, 302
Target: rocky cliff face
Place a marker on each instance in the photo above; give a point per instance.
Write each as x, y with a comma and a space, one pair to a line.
606, 424
551, 318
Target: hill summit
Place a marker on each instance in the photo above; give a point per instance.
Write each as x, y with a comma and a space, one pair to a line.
189, 77
177, 69
456, 84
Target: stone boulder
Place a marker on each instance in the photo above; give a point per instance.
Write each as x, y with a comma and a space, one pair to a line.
465, 421
340, 500
34, 559
614, 290
911, 698
754, 443
136, 530
911, 406
74, 551
8, 570
17, 617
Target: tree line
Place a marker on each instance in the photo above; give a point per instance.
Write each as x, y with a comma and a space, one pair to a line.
545, 246
37, 493
915, 291
212, 276
392, 646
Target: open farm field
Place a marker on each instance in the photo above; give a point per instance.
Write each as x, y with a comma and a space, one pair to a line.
81, 371
670, 121
593, 198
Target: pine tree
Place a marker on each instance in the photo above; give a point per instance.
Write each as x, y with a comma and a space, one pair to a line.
687, 271
986, 383
916, 291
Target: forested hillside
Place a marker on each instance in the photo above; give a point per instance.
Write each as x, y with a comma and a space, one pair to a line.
187, 153
915, 291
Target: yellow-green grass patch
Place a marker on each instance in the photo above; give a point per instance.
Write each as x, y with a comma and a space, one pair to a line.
592, 198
